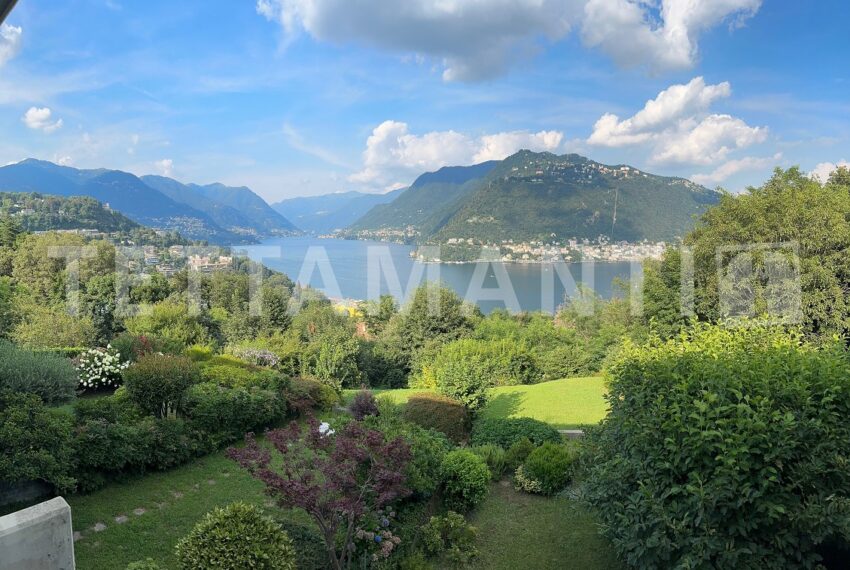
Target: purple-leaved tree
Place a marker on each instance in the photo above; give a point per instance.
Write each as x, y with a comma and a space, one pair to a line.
339, 478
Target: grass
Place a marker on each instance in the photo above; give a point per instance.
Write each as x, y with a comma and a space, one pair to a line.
516, 530
566, 404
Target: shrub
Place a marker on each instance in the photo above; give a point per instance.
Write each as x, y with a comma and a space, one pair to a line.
132, 347
465, 480
463, 374
551, 465
36, 443
364, 404
158, 384
100, 368
504, 432
494, 456
199, 353
308, 394
523, 482
310, 553
236, 537
257, 356
226, 414
724, 448
516, 453
443, 414
50, 377
428, 448
239, 376
114, 408
451, 538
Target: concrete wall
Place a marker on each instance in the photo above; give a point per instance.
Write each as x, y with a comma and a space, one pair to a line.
38, 538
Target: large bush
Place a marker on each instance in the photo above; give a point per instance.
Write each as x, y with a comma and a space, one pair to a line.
724, 449
226, 414
35, 443
463, 375
504, 432
452, 539
494, 457
236, 537
50, 377
550, 466
443, 414
114, 408
466, 480
158, 383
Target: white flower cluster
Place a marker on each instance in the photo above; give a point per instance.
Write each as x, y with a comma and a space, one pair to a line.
100, 367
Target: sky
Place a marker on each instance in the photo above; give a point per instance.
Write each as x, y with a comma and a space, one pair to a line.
305, 97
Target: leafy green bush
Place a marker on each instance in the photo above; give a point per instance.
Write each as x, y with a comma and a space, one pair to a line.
494, 456
450, 538
50, 377
239, 376
726, 448
114, 408
504, 432
428, 448
226, 414
462, 377
310, 553
199, 353
36, 443
551, 466
158, 383
465, 480
308, 394
443, 414
236, 537
517, 453
147, 564
132, 347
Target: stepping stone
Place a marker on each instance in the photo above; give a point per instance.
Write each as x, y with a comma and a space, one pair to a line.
572, 433
139, 512
160, 505
225, 474
121, 519
197, 485
77, 535
177, 494
211, 482
99, 527
505, 483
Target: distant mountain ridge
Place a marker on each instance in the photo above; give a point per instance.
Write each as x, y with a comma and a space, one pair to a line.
329, 212
542, 196
160, 203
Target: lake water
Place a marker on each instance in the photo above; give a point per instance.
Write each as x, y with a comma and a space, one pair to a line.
365, 269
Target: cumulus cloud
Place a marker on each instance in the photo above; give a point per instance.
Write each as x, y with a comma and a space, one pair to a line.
679, 127
165, 166
478, 39
39, 119
10, 42
822, 171
394, 156
733, 167
638, 33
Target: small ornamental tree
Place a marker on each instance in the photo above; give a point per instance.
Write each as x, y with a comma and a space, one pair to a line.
341, 479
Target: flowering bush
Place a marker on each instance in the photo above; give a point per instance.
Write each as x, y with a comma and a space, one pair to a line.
257, 356
374, 541
524, 482
100, 368
451, 538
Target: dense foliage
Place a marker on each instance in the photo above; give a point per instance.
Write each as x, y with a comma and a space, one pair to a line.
440, 413
550, 466
506, 432
724, 448
466, 480
51, 378
236, 537
158, 383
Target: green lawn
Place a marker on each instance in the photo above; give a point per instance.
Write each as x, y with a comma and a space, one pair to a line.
566, 404
516, 530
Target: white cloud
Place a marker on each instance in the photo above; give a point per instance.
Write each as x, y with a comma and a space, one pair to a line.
478, 39
678, 126
393, 156
638, 33
39, 119
165, 166
822, 171
63, 160
10, 42
733, 167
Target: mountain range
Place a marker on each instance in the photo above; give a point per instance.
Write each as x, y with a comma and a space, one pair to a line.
331, 212
215, 213
540, 196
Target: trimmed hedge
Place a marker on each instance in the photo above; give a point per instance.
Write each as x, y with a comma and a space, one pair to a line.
724, 449
443, 414
505, 432
465, 480
158, 383
550, 466
236, 537
224, 415
52, 378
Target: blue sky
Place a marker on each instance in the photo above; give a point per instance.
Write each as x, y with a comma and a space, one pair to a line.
299, 97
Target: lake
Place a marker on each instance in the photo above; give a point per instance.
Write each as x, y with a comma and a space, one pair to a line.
365, 269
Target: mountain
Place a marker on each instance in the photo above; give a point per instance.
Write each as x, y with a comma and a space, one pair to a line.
329, 212
541, 196
225, 216
262, 217
429, 202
